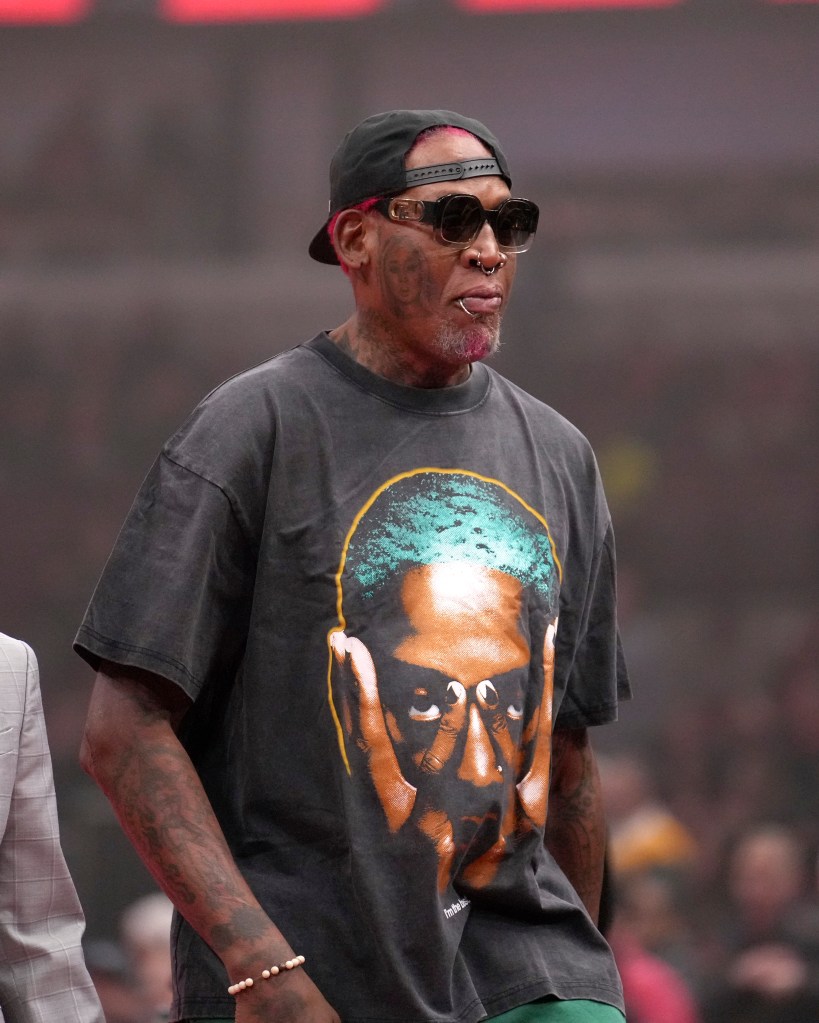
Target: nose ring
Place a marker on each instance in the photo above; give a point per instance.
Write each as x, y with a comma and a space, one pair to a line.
489, 270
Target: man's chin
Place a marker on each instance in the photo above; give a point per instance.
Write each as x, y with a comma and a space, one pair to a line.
483, 344
471, 343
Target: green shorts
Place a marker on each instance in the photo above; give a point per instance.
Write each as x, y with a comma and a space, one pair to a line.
552, 1010
546, 1010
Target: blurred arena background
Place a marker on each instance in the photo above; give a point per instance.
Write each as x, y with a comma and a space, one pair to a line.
163, 165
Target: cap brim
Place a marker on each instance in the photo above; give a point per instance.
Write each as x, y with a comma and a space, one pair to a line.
321, 248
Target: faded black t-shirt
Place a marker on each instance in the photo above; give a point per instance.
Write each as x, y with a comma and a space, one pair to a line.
381, 600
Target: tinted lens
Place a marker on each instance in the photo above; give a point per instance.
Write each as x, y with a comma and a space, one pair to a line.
515, 224
461, 218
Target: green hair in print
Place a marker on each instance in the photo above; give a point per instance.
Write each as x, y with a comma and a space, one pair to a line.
436, 516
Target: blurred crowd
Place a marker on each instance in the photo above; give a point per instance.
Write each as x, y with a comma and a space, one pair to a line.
714, 856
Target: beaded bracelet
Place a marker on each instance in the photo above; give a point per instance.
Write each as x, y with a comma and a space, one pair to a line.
290, 964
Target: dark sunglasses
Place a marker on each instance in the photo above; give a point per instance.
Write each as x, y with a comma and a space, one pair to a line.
457, 219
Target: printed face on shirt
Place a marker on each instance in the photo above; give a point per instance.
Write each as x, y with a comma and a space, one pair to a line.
454, 687
444, 693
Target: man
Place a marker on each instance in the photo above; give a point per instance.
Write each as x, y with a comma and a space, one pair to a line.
359, 589
43, 976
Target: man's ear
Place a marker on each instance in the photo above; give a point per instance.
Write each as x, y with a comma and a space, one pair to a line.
352, 237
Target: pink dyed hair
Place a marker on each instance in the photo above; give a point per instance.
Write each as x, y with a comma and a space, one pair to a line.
367, 204
440, 129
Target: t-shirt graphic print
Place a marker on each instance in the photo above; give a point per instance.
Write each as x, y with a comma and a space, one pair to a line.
441, 671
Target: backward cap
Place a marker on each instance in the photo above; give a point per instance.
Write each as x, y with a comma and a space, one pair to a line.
370, 161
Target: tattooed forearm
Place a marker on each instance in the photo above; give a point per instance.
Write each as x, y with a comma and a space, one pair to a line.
157, 797
244, 924
575, 830
132, 751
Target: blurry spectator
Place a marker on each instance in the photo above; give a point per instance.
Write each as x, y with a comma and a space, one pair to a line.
654, 992
766, 984
643, 832
121, 999
768, 969
798, 692
767, 882
650, 906
145, 928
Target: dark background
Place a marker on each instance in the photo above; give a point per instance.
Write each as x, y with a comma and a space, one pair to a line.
159, 185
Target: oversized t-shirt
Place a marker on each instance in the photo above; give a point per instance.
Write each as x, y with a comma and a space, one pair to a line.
382, 600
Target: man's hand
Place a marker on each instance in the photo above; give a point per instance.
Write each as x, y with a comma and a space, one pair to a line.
396, 794
533, 788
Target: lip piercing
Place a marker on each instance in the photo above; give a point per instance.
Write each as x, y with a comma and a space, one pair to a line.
460, 302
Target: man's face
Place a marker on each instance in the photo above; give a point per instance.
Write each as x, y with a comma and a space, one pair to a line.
461, 646
427, 319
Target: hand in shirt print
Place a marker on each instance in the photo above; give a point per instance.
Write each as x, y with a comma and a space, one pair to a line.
451, 743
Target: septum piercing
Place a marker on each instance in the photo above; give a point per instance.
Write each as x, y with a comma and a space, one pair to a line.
487, 271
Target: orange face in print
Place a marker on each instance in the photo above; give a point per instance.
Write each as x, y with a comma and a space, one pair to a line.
466, 662
451, 713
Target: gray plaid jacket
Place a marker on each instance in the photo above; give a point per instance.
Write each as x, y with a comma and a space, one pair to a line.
43, 977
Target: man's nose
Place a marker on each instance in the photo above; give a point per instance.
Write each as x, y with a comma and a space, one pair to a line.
479, 763
487, 242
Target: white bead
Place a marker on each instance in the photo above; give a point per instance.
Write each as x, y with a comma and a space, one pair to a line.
249, 982
301, 960
274, 970
266, 974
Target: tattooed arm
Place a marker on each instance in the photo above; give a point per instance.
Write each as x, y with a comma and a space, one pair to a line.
575, 827
131, 750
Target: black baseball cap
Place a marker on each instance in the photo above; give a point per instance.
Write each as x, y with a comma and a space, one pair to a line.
370, 162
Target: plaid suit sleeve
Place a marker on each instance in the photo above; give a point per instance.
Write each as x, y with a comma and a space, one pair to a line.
43, 977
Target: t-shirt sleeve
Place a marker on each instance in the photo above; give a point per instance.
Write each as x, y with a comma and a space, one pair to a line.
589, 646
174, 596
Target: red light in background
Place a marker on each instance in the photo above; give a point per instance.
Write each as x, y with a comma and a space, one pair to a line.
31, 12
258, 10
520, 6
27, 12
